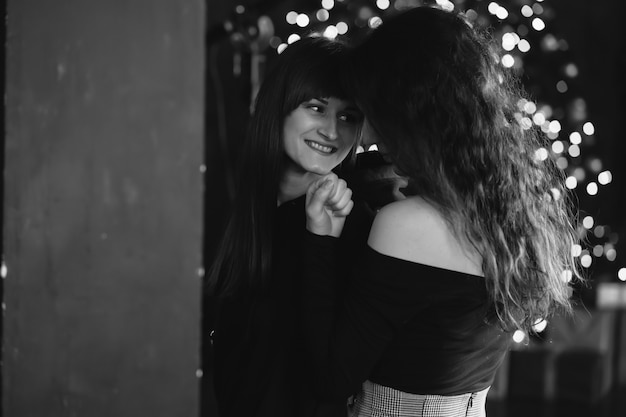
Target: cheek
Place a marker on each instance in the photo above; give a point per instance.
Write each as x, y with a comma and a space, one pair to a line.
349, 137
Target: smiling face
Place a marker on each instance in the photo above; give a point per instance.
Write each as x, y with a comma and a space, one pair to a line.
319, 133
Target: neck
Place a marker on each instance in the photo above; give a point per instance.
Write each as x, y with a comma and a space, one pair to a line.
294, 184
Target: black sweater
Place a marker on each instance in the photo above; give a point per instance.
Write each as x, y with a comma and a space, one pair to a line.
259, 365
409, 326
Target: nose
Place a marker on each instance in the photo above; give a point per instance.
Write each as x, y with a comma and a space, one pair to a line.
329, 128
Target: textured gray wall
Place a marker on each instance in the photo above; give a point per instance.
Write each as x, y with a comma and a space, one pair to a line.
103, 208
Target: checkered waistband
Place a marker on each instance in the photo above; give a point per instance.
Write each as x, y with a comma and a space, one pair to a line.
379, 401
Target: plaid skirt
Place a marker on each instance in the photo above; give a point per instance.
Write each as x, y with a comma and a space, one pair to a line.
379, 401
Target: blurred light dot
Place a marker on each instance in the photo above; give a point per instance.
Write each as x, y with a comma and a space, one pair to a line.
530, 107
562, 162
552, 135
586, 260
328, 4
281, 48
589, 129
360, 149
595, 164
471, 14
538, 24
550, 43
322, 15
331, 32
508, 61
539, 118
605, 177
294, 37
291, 18
571, 70
502, 13
561, 86
598, 250
240, 9
555, 126
509, 41
527, 11
448, 6
342, 28
575, 138
541, 154
574, 151
519, 336
540, 325
374, 22
302, 20
580, 174
621, 274
537, 8
275, 41
546, 109
577, 250
588, 222
382, 4
3, 270
558, 147
571, 182
598, 231
365, 13
567, 276
523, 45
611, 254
493, 7
592, 188
556, 194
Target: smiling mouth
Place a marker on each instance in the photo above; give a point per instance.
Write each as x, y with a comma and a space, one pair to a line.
321, 148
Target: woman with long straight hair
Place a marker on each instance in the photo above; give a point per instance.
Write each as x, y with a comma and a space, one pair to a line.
482, 248
303, 127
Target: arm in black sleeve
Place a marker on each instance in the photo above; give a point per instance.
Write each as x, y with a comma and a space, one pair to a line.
345, 338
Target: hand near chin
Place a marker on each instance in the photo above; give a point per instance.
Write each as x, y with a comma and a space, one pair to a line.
328, 202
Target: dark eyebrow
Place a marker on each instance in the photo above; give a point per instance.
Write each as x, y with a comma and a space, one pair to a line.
320, 99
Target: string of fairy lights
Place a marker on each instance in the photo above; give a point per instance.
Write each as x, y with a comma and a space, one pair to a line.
523, 28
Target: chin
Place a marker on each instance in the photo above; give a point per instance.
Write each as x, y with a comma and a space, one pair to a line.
319, 170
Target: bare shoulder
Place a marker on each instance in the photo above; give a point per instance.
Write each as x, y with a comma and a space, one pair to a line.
415, 230
406, 222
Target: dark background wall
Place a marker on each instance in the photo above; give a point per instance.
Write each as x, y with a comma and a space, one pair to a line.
103, 208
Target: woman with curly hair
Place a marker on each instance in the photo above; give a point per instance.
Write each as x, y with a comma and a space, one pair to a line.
481, 249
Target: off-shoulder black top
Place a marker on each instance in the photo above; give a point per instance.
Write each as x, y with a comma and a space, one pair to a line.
409, 326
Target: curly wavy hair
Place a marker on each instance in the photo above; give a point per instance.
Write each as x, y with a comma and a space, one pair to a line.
432, 88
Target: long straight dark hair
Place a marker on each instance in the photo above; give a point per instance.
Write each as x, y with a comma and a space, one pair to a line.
309, 68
